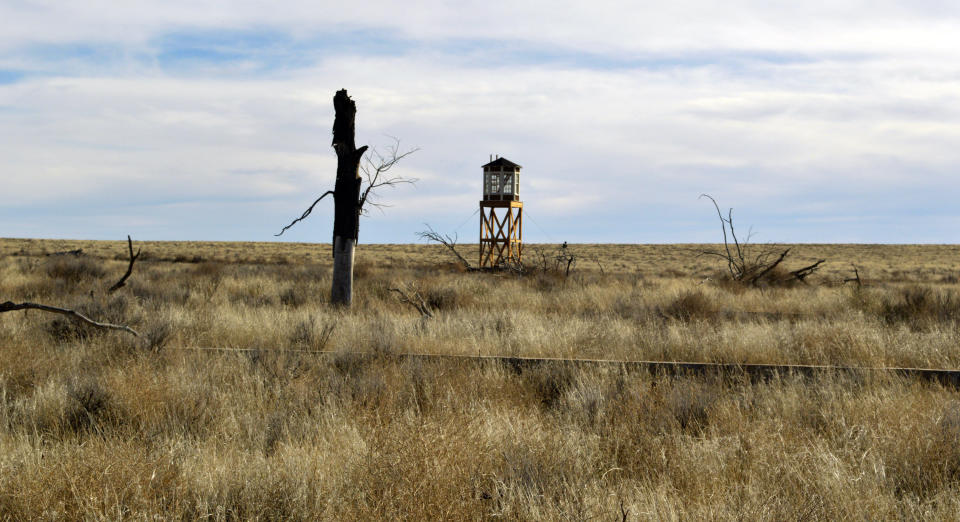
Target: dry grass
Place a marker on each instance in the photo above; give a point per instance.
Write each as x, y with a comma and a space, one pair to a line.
100, 425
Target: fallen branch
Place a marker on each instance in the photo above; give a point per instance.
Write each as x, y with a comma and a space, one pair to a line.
450, 242
10, 306
123, 280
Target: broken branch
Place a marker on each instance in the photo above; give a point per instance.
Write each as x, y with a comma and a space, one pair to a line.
123, 280
855, 278
450, 242
305, 213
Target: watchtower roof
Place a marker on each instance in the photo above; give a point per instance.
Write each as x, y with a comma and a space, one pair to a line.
501, 162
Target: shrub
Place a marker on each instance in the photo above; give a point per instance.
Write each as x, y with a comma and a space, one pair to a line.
689, 306
549, 382
88, 404
690, 405
156, 335
442, 298
293, 296
920, 307
73, 269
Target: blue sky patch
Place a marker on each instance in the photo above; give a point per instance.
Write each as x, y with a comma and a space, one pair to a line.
268, 50
8, 76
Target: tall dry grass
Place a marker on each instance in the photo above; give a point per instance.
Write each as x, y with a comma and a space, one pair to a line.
98, 424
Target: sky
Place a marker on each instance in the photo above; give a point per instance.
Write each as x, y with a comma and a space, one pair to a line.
191, 120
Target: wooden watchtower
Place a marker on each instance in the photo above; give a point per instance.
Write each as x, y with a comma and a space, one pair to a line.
501, 214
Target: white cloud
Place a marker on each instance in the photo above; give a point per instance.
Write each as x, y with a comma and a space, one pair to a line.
775, 108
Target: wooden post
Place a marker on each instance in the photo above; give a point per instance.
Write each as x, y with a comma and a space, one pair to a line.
346, 198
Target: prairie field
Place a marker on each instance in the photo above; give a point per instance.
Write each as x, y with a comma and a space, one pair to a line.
223, 407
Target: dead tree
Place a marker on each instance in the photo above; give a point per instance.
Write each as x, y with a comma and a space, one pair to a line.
747, 265
348, 201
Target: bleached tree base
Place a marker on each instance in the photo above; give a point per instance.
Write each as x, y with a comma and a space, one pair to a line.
341, 291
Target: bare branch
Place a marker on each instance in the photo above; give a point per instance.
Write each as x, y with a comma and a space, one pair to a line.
123, 280
10, 306
736, 242
450, 242
305, 213
723, 227
802, 273
375, 169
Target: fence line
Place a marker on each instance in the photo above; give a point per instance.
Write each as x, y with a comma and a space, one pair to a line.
942, 376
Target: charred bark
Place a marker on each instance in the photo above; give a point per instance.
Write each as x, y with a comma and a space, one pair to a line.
346, 198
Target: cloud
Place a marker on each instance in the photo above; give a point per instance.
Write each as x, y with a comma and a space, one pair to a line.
174, 115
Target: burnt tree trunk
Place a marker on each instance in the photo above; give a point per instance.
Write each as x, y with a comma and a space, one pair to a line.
346, 198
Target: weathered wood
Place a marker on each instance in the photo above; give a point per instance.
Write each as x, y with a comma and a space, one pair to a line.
346, 198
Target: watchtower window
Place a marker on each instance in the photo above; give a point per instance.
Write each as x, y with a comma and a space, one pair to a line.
494, 178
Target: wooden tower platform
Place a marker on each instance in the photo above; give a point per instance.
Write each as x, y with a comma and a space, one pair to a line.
501, 233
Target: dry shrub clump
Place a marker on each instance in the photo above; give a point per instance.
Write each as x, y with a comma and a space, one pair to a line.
223, 409
920, 307
690, 305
